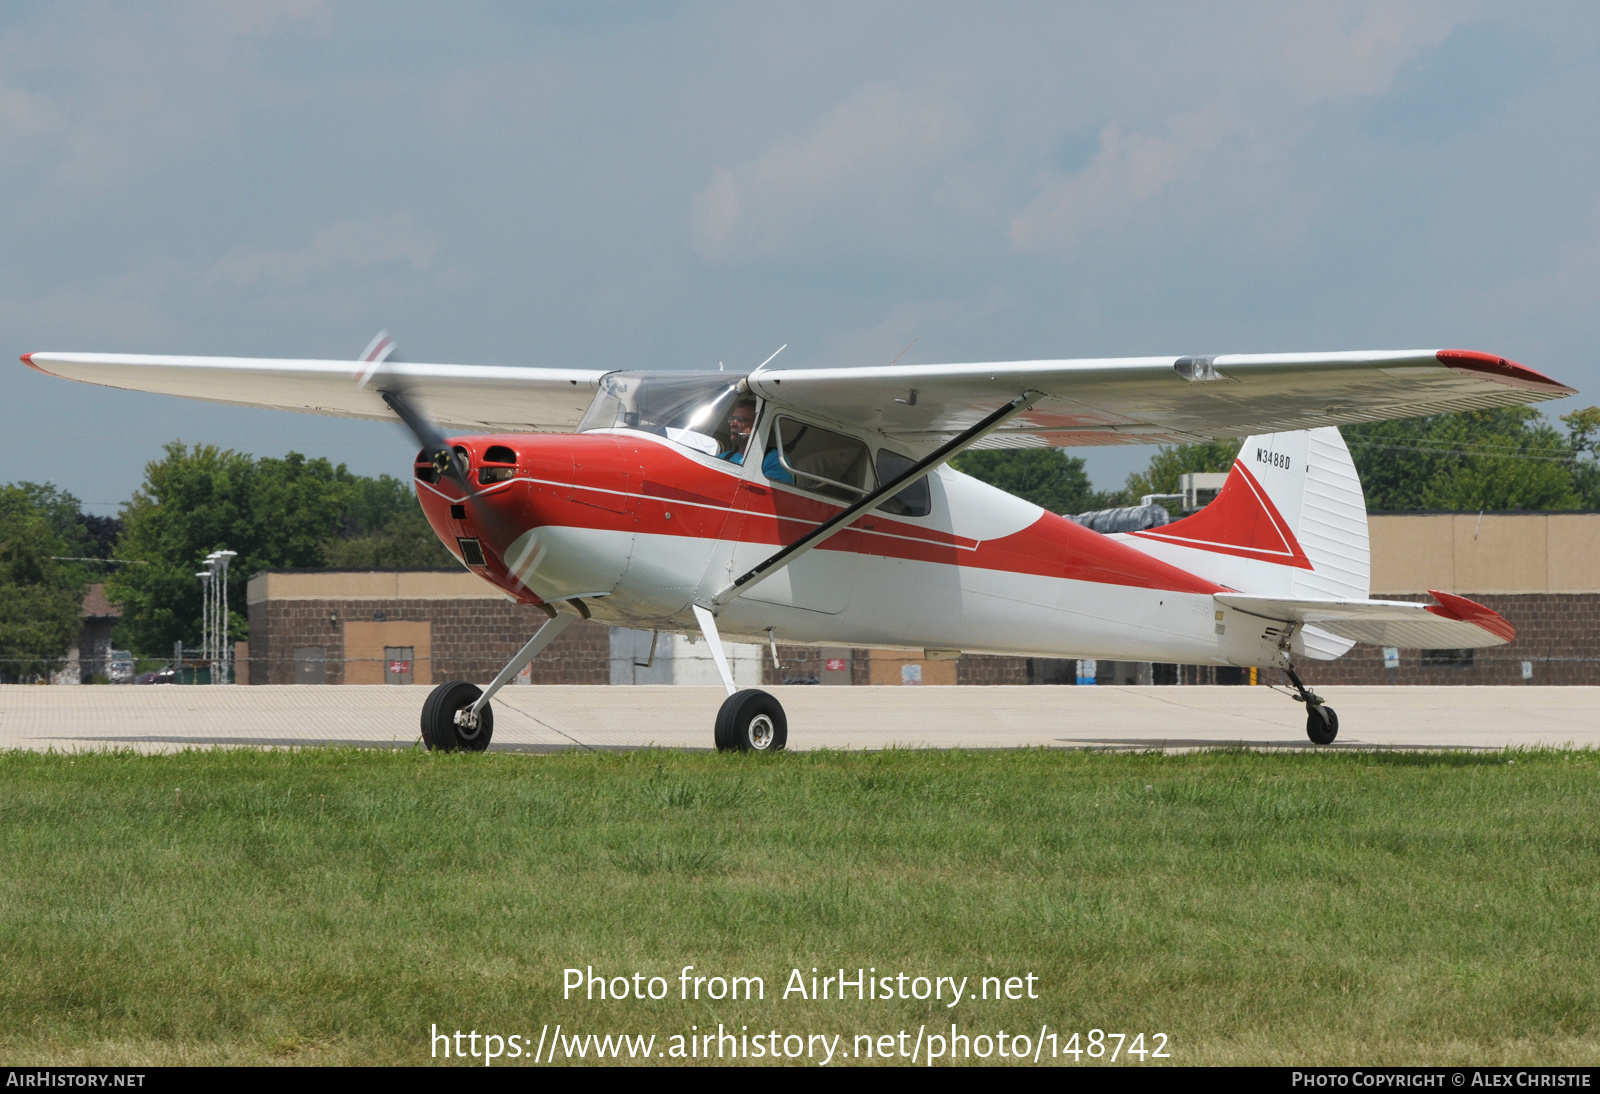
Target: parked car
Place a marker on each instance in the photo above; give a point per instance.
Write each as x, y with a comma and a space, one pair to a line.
122, 667
167, 674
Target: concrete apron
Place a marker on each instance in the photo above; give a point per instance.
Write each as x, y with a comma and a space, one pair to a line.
546, 718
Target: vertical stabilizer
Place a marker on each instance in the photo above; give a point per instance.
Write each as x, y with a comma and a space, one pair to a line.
1291, 521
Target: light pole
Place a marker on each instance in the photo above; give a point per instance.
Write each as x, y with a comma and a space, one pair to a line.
205, 619
214, 614
220, 625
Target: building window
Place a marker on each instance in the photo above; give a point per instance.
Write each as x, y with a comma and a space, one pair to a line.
1447, 659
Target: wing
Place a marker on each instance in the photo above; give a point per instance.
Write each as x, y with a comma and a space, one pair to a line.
490, 397
1148, 400
1453, 623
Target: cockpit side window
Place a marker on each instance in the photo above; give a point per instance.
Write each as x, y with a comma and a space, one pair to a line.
916, 500
820, 460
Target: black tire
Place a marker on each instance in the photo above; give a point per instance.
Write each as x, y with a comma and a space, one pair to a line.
439, 730
751, 721
1322, 725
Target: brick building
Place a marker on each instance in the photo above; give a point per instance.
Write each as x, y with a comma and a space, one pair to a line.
1540, 570
403, 626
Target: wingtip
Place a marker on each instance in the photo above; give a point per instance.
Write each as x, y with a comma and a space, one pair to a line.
1498, 368
27, 359
1451, 606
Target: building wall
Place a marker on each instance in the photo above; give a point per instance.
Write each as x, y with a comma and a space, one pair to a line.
454, 639
1488, 553
680, 661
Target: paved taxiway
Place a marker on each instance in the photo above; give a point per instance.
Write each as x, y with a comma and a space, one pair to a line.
539, 719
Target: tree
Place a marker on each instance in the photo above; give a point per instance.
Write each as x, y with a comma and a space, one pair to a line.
1511, 458
1583, 428
276, 513
1481, 459
40, 595
293, 512
384, 529
1168, 466
1045, 476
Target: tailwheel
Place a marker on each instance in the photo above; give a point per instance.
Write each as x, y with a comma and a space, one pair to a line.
442, 732
1322, 724
751, 721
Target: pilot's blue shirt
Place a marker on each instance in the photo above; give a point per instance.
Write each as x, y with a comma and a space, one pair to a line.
770, 466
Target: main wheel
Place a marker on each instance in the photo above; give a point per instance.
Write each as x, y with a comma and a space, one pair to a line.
751, 721
439, 729
1322, 725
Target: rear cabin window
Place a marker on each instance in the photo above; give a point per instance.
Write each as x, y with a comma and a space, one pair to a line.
916, 500
821, 460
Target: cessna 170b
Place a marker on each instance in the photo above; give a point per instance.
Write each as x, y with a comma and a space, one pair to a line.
817, 505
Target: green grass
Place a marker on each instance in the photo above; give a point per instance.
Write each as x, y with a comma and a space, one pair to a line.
329, 905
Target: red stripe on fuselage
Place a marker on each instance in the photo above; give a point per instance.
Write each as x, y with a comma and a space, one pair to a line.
626, 483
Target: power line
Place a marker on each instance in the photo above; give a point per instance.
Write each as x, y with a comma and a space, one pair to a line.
1439, 449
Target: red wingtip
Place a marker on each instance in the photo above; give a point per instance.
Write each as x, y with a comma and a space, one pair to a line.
1498, 368
27, 359
1451, 606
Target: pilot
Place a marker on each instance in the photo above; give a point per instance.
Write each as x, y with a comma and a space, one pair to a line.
741, 419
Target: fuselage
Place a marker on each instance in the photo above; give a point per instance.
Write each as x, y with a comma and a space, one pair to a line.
638, 527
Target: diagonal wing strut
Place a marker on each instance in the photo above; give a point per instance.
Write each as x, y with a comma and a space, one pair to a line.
842, 519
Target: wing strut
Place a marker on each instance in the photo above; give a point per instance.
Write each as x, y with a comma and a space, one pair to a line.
842, 519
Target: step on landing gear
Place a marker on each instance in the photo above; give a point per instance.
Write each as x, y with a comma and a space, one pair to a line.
1322, 723
750, 720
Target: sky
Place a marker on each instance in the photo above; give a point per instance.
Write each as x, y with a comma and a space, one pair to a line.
670, 185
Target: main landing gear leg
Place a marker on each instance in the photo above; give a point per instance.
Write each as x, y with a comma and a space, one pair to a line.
750, 720
1322, 724
457, 714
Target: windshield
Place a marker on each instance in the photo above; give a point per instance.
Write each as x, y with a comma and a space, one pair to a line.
690, 408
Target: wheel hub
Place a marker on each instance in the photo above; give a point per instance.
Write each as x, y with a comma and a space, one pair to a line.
466, 724
760, 732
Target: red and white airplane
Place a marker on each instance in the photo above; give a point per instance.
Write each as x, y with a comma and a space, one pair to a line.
817, 506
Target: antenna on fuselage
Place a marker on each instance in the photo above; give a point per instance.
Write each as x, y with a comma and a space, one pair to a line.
775, 353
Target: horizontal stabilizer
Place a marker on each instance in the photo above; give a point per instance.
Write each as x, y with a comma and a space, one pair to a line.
1453, 623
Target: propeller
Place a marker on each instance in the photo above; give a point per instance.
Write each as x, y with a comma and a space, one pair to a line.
447, 463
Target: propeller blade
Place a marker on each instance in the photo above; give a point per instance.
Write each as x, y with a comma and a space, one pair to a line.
445, 460
447, 463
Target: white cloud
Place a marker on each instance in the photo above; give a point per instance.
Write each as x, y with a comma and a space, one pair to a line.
1127, 172
347, 245
1234, 143
863, 159
142, 82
